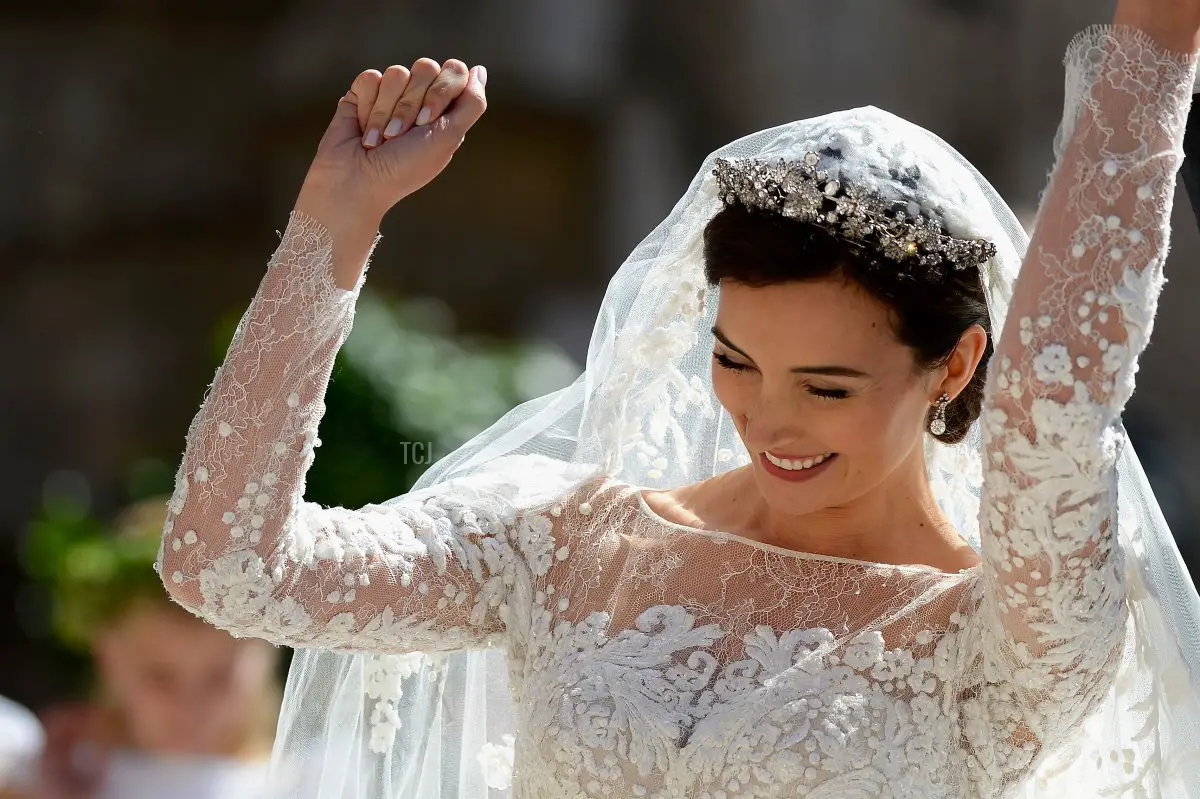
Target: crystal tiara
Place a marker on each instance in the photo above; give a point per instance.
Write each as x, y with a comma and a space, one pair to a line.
803, 192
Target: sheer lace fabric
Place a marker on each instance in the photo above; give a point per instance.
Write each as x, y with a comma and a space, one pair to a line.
648, 659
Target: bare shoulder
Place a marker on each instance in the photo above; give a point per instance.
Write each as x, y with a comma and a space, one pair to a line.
713, 504
955, 556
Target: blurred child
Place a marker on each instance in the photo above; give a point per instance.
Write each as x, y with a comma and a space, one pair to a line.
181, 709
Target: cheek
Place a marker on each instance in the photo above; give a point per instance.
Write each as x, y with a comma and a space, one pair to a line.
854, 427
248, 676
889, 426
730, 390
876, 430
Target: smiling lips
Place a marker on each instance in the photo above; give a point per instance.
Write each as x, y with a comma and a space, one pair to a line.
796, 469
796, 464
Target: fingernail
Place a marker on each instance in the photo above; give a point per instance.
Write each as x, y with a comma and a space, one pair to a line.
424, 116
372, 137
483, 76
393, 128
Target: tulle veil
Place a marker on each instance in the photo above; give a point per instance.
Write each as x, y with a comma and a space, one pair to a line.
360, 725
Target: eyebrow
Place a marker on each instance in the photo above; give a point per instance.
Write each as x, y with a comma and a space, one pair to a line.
826, 369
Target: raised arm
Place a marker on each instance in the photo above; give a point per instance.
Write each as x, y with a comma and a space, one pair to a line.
1053, 609
240, 546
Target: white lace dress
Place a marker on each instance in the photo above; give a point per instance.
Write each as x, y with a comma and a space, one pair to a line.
653, 660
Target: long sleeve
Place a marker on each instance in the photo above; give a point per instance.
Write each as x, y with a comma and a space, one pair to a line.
1052, 620
242, 549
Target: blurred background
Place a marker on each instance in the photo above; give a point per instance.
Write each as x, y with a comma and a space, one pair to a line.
150, 153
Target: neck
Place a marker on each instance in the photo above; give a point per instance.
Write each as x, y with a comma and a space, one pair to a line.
864, 528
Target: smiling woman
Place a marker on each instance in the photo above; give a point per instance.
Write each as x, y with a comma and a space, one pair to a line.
933, 319
528, 619
832, 368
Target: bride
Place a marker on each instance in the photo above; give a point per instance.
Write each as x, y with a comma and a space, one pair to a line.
839, 508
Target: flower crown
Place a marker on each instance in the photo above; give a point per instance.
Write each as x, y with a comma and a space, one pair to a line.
803, 192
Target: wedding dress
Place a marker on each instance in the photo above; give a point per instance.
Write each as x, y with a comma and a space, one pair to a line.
524, 624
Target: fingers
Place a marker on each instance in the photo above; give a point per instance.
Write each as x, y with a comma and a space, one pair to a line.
364, 90
468, 107
393, 102
379, 120
402, 114
445, 89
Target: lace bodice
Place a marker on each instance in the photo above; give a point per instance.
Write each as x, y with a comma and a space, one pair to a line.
652, 660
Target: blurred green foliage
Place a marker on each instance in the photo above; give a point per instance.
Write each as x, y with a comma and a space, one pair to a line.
406, 390
405, 387
92, 571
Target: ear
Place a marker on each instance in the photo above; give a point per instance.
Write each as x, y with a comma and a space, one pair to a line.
963, 362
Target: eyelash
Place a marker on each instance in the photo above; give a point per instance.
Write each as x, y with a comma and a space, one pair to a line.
823, 393
828, 393
729, 363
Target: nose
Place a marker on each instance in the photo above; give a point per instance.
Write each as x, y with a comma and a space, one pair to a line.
772, 424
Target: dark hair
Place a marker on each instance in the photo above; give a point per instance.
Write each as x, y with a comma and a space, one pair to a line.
761, 248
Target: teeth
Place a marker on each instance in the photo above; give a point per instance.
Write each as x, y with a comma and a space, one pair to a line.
796, 465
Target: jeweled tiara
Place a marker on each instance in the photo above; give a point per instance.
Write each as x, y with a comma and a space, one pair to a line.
804, 192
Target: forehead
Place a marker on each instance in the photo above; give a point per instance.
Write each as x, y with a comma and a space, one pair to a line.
808, 323
168, 633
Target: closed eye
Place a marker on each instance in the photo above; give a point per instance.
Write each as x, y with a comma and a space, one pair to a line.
827, 393
728, 363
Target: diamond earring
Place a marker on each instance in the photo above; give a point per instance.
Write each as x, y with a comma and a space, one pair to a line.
937, 425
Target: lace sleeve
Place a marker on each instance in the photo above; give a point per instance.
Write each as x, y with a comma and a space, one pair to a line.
1053, 613
242, 549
